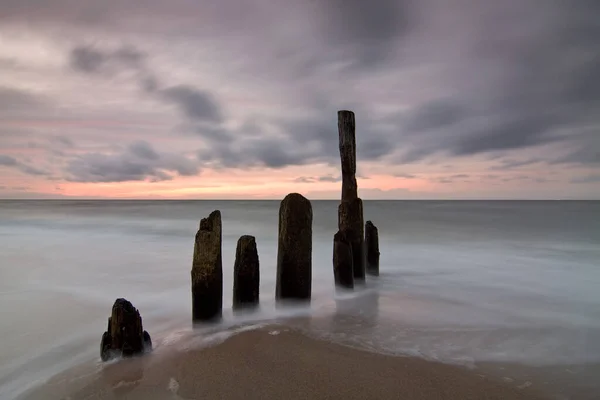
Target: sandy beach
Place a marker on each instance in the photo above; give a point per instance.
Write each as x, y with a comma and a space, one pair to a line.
275, 363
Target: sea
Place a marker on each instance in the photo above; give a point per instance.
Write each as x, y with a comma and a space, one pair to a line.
462, 282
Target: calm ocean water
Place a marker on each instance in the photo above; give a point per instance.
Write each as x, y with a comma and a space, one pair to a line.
461, 281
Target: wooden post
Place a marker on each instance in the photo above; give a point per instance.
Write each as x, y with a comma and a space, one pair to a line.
246, 273
347, 143
372, 245
294, 253
207, 270
342, 261
350, 211
125, 335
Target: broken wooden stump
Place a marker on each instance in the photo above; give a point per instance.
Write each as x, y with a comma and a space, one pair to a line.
207, 270
350, 221
125, 335
294, 252
350, 211
246, 273
342, 261
372, 248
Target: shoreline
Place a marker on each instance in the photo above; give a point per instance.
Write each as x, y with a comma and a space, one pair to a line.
276, 361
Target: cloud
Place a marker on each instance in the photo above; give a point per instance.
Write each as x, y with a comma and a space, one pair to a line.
304, 179
313, 179
197, 105
194, 103
405, 176
8, 161
12, 99
368, 35
592, 178
87, 59
450, 179
143, 150
435, 114
139, 162
513, 84
543, 92
512, 164
329, 178
588, 153
29, 170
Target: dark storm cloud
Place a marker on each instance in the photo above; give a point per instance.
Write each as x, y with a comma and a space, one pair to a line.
507, 135
301, 141
439, 113
197, 105
273, 154
143, 150
194, 103
29, 170
547, 92
507, 76
8, 161
91, 59
368, 30
139, 162
87, 59
267, 152
452, 129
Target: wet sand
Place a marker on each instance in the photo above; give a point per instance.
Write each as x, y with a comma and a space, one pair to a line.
275, 363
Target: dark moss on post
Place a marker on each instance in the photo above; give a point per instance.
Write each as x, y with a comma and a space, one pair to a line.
342, 261
294, 253
125, 335
207, 270
246, 273
350, 221
372, 246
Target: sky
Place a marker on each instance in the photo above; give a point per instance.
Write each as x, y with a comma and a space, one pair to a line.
199, 99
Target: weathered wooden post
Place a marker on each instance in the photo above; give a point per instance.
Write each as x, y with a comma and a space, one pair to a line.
294, 252
207, 270
125, 335
372, 246
350, 211
342, 261
246, 273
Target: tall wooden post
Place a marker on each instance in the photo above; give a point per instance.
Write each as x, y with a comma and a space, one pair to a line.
207, 270
350, 211
294, 252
